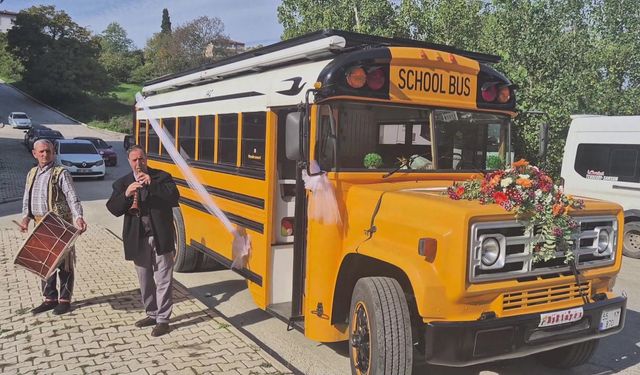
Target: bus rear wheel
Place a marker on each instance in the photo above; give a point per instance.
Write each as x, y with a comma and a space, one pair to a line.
631, 239
568, 356
380, 339
186, 259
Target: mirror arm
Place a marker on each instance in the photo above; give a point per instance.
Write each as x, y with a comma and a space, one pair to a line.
304, 134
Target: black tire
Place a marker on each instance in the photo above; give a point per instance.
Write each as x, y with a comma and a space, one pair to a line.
568, 356
186, 259
380, 339
631, 239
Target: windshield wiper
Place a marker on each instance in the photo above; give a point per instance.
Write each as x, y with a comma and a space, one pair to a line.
403, 163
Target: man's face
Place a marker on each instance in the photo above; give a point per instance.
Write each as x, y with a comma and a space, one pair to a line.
44, 153
138, 161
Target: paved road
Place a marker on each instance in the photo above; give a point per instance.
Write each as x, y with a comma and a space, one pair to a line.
12, 100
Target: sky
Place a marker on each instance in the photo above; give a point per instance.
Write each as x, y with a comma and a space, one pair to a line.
251, 22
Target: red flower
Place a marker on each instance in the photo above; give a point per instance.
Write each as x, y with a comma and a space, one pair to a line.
460, 191
500, 197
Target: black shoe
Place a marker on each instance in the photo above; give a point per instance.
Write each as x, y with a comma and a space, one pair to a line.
62, 308
146, 322
45, 306
160, 329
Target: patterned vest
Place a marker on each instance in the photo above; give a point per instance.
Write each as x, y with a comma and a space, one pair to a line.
56, 199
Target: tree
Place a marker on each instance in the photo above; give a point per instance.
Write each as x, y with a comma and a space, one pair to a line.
376, 17
165, 27
10, 67
60, 58
117, 55
190, 45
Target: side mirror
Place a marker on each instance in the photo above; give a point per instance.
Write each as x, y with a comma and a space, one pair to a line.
543, 141
292, 135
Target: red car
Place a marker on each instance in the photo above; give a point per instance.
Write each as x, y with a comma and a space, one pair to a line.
109, 156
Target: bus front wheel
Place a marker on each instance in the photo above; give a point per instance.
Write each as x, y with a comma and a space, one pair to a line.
568, 356
631, 239
186, 259
380, 339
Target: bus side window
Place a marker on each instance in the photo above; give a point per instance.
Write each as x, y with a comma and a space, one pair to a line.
169, 125
187, 136
254, 128
154, 142
206, 137
228, 139
142, 132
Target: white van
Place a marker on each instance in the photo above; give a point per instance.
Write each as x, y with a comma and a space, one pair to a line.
602, 160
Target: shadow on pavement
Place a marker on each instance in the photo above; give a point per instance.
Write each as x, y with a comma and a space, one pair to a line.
126, 300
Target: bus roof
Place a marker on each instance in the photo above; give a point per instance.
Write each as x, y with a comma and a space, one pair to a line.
314, 46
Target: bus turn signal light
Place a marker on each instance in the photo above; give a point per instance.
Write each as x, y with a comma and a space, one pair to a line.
427, 248
489, 91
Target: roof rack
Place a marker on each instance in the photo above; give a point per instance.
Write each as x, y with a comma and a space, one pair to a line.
313, 46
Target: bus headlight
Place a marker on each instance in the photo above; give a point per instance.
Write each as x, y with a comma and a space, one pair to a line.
604, 241
489, 251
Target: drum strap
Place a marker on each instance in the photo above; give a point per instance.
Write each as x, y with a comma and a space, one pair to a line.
30, 180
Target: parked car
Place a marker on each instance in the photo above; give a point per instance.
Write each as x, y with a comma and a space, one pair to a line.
33, 134
19, 120
109, 156
129, 140
81, 158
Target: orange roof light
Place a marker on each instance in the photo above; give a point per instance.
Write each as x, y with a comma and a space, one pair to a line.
356, 77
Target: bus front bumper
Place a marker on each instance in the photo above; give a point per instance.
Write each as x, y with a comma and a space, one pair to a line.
469, 343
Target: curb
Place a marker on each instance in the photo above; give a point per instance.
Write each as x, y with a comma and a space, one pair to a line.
44, 104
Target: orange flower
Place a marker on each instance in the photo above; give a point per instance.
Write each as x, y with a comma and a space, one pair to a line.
520, 163
558, 208
460, 191
495, 180
524, 182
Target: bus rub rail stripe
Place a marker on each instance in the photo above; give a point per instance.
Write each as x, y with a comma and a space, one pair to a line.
247, 274
226, 194
247, 223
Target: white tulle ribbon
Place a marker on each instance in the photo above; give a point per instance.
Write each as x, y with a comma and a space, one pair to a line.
323, 205
241, 245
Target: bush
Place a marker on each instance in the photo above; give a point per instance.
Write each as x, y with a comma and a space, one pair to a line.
120, 124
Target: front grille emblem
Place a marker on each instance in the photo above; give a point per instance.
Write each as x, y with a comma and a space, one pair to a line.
84, 164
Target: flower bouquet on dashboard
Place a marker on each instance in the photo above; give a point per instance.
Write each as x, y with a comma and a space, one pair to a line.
530, 193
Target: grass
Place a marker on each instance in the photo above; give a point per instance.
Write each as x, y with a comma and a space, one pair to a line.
112, 111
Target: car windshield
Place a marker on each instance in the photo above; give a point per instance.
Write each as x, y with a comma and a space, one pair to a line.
77, 148
373, 136
20, 116
49, 133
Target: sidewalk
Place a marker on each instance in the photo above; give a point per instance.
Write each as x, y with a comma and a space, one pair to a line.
98, 335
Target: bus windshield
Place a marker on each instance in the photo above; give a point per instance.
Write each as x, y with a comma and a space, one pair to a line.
382, 137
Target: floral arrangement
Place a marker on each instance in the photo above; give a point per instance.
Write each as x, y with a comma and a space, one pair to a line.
372, 161
531, 194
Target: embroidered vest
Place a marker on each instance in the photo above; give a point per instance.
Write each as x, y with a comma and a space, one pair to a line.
55, 197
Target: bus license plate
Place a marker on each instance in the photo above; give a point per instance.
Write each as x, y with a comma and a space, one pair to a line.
561, 317
610, 318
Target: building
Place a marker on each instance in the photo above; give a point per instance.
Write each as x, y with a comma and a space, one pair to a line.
225, 47
7, 20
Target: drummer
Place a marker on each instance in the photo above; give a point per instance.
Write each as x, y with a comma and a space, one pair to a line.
49, 187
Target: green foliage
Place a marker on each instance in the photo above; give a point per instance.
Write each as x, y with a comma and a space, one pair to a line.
566, 57
165, 27
117, 55
60, 58
120, 124
10, 68
372, 160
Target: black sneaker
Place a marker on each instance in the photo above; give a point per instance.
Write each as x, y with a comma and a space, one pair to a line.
160, 329
62, 308
146, 322
45, 306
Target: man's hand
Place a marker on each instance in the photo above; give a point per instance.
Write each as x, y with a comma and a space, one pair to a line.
81, 225
24, 225
144, 178
132, 188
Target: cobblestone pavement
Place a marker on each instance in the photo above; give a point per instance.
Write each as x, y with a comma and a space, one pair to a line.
15, 161
98, 335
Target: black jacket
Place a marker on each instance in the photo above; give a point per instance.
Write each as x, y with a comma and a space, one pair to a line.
158, 198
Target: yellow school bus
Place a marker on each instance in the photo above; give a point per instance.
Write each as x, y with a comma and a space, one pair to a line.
404, 276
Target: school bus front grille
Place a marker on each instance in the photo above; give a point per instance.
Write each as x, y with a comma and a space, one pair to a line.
546, 297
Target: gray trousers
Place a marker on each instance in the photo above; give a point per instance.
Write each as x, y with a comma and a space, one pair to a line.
155, 274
